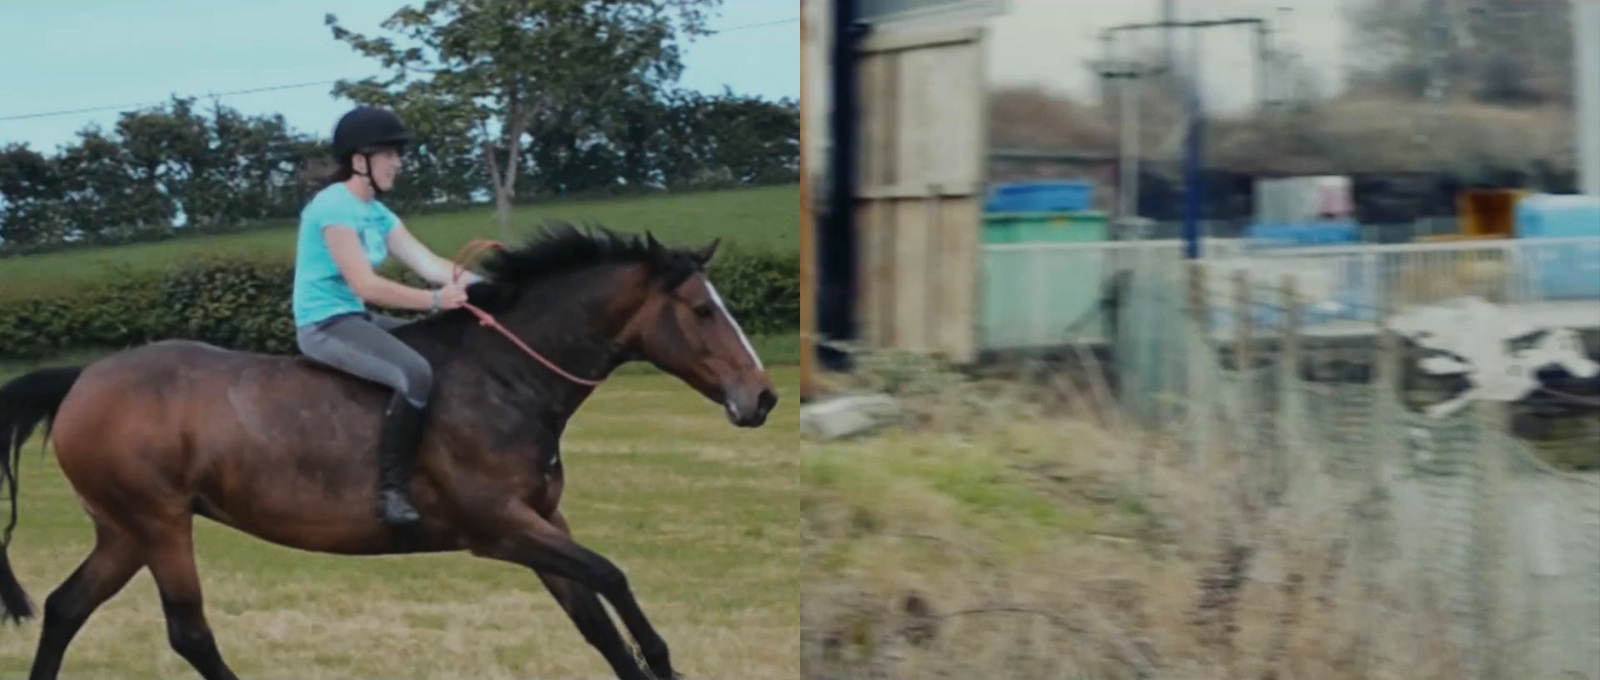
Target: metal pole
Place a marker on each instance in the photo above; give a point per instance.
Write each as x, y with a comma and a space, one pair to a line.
808, 262
1192, 189
1129, 193
1586, 49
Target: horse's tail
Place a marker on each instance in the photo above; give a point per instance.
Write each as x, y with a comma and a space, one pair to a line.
24, 403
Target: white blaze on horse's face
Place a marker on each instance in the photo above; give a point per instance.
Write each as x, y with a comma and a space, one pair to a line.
743, 340
715, 356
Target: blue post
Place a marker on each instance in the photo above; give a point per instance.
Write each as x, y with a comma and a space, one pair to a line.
1193, 191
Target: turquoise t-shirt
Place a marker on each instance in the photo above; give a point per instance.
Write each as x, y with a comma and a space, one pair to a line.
320, 291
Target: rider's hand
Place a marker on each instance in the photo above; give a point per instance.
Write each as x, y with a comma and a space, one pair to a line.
452, 296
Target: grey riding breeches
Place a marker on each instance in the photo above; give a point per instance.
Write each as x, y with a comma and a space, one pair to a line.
362, 345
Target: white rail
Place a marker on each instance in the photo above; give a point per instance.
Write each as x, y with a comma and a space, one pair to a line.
1042, 294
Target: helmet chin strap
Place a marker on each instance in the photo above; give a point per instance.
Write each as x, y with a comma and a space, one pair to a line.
377, 192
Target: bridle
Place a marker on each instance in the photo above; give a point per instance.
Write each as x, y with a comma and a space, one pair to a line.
486, 319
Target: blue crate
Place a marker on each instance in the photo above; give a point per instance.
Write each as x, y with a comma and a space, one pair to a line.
1301, 234
1561, 270
1034, 197
1558, 216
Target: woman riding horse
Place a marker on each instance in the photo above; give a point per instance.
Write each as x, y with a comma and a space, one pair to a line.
270, 445
345, 234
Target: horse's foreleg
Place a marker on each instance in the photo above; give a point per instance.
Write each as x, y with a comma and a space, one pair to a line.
113, 561
172, 564
583, 607
536, 543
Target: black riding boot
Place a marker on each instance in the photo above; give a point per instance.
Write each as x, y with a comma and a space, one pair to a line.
396, 450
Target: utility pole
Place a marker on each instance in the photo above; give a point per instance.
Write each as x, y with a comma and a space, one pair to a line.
1128, 78
1193, 190
1128, 192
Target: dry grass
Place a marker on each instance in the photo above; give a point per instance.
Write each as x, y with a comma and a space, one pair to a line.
700, 516
994, 537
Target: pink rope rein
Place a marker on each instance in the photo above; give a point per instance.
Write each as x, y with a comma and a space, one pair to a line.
486, 319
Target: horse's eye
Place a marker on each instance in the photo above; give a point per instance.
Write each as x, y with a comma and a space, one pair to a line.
704, 311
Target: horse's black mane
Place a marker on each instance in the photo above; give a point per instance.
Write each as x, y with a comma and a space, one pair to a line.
558, 248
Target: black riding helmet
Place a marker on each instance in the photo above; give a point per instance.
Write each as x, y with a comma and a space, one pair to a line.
365, 130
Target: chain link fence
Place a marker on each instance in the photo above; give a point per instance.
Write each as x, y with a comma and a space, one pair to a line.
1255, 465
1459, 542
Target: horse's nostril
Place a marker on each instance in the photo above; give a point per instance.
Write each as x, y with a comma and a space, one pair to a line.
766, 401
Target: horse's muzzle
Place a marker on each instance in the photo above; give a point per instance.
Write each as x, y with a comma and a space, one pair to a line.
744, 413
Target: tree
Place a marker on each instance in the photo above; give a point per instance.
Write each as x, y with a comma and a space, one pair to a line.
511, 62
753, 140
251, 172
105, 196
166, 151
1504, 52
31, 187
216, 170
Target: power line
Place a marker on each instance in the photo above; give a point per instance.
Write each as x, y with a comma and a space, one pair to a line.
779, 22
113, 107
295, 86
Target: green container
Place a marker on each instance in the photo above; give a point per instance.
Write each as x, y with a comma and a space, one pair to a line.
1077, 227
1032, 296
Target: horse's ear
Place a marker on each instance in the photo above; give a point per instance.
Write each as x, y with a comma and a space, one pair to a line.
656, 249
704, 255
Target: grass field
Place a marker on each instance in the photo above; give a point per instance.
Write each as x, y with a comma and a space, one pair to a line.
700, 515
765, 217
1009, 531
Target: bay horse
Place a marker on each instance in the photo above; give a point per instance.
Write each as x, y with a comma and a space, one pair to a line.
282, 449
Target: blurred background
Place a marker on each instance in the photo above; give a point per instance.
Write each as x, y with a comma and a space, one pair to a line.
1269, 329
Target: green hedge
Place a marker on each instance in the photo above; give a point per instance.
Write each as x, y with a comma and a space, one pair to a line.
245, 304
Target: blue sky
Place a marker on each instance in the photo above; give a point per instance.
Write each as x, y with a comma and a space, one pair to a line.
73, 54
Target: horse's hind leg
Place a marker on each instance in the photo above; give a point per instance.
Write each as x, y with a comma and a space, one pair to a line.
113, 561
171, 561
583, 607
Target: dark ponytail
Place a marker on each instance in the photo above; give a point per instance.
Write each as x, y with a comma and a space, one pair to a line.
323, 173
